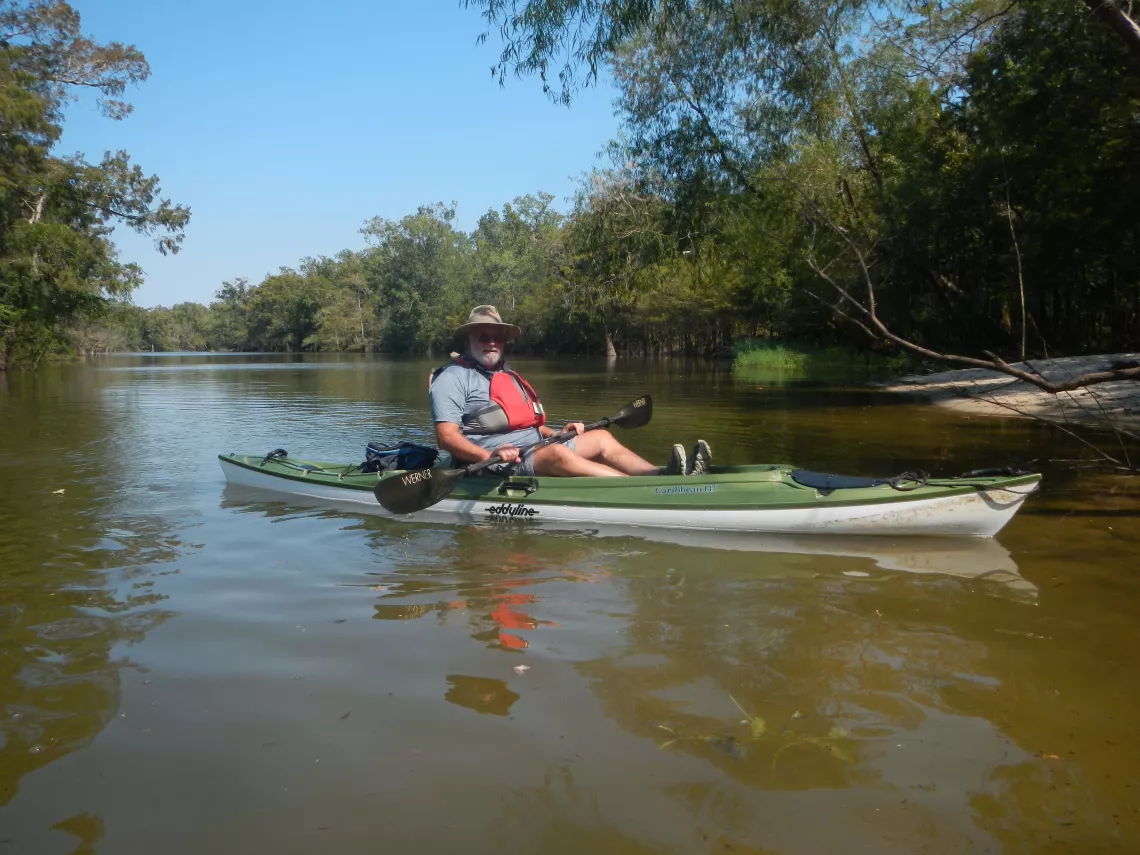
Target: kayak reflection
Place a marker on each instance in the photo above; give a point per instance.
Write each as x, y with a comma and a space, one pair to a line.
982, 559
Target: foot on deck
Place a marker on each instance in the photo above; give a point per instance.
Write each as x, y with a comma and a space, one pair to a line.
677, 463
702, 458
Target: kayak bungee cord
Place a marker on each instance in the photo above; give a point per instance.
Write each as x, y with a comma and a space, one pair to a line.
280, 457
826, 484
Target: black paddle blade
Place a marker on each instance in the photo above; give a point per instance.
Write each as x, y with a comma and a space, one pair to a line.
635, 413
413, 491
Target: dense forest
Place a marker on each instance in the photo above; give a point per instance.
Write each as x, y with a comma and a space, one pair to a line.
958, 175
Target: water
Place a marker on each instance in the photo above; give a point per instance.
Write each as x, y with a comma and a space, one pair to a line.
189, 668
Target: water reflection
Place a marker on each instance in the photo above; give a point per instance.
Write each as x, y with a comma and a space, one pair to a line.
983, 560
87, 827
482, 578
77, 576
688, 692
836, 684
482, 694
763, 660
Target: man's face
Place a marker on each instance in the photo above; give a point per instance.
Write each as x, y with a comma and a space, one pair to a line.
485, 344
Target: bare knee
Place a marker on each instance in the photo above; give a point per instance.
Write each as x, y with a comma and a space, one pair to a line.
559, 453
555, 455
608, 446
607, 439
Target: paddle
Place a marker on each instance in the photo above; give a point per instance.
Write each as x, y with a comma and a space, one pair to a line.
422, 488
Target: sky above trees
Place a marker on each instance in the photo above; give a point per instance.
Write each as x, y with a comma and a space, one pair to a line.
285, 126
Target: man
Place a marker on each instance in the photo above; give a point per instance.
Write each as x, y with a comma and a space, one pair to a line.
482, 408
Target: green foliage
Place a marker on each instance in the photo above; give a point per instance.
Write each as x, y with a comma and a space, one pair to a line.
770, 362
780, 166
419, 269
948, 156
768, 357
58, 267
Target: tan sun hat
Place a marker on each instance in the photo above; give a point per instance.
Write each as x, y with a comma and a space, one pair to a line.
483, 316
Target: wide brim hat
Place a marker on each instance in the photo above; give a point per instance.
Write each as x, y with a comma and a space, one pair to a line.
487, 316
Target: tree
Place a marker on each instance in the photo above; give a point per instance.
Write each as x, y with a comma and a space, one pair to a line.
346, 319
820, 108
229, 321
57, 263
517, 251
583, 35
419, 268
615, 234
282, 312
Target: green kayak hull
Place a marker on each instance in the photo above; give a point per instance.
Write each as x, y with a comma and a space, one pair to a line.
757, 498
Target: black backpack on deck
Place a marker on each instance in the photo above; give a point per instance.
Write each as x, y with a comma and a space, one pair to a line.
406, 455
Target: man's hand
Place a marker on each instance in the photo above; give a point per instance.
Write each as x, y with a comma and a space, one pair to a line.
507, 453
577, 428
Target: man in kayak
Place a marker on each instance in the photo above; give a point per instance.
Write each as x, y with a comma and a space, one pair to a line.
480, 408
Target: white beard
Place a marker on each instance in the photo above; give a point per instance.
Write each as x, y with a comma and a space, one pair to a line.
489, 361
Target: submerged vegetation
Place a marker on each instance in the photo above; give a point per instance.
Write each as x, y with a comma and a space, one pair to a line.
752, 737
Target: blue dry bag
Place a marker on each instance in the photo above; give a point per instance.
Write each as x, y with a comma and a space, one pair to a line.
406, 455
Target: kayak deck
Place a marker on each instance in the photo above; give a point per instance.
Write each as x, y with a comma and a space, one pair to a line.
759, 498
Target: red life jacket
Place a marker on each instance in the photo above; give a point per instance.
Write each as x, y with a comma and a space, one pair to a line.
514, 403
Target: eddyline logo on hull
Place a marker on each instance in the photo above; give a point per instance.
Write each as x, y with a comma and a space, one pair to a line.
506, 510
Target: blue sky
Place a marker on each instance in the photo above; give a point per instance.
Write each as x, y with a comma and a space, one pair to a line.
285, 125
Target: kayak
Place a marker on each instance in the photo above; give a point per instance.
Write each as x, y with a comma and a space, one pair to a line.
768, 498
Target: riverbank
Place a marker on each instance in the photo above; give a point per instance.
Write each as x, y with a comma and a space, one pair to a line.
990, 392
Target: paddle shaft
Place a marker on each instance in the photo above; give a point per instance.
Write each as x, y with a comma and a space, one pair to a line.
527, 449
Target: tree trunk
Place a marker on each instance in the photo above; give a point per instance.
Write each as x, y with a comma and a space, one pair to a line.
1116, 15
38, 210
360, 312
611, 351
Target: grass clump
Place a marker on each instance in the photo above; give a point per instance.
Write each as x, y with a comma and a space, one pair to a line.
766, 356
760, 359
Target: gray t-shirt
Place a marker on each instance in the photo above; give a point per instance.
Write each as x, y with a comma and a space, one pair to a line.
458, 390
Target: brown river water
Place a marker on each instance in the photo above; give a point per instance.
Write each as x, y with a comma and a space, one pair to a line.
187, 668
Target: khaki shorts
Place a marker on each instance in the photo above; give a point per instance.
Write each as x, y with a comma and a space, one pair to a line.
525, 464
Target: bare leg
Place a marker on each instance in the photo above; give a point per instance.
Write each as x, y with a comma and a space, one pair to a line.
560, 460
600, 446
